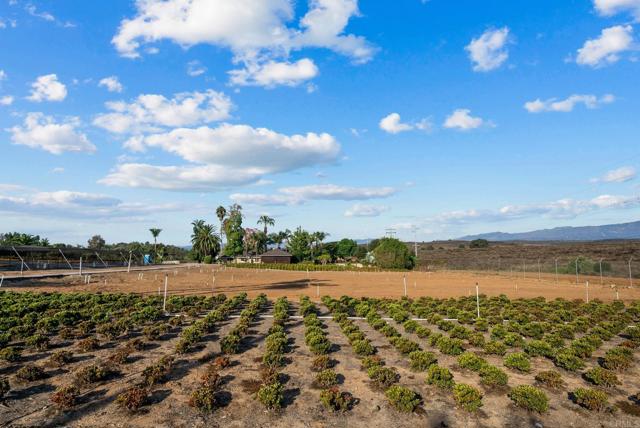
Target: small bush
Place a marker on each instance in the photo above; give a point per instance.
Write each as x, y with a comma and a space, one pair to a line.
551, 379
120, 355
38, 341
513, 340
405, 345
495, 347
363, 348
518, 361
530, 398
403, 398
450, 346
89, 344
468, 397
326, 378
204, 398
65, 396
591, 399
92, 373
422, 360
10, 354
471, 361
221, 362
336, 400
477, 339
440, 377
321, 362
618, 358
30, 373
230, 344
602, 377
271, 395
567, 360
60, 359
492, 376
133, 398
383, 377
157, 372
538, 348
372, 360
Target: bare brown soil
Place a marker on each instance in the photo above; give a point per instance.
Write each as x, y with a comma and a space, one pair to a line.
200, 281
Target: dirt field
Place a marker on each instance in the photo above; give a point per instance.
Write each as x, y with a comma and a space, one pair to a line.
200, 281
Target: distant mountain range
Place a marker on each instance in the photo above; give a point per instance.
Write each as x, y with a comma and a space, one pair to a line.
584, 233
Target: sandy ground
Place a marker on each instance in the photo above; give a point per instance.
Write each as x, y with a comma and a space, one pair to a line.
215, 279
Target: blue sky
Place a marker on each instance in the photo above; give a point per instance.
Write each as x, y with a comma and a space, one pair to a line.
437, 118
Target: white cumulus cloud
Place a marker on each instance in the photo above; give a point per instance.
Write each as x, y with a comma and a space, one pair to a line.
393, 124
607, 48
43, 132
489, 51
568, 104
195, 68
111, 83
272, 73
301, 194
613, 7
256, 32
47, 88
6, 100
364, 210
461, 119
151, 112
619, 175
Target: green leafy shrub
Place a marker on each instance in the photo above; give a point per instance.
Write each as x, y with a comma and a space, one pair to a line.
422, 360
468, 397
157, 372
450, 346
10, 354
30, 373
492, 376
403, 399
60, 359
518, 361
383, 377
271, 395
538, 348
38, 341
321, 362
602, 377
5, 387
404, 345
440, 377
65, 397
370, 361
363, 348
326, 378
230, 344
551, 379
471, 361
93, 373
618, 358
336, 400
89, 344
513, 340
477, 339
204, 398
567, 360
591, 399
133, 398
422, 332
530, 398
411, 326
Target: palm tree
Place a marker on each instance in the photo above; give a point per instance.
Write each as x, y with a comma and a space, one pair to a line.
155, 232
221, 212
316, 240
266, 221
204, 239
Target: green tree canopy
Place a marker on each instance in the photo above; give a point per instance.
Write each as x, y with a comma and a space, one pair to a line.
346, 248
234, 231
391, 253
96, 242
204, 239
299, 245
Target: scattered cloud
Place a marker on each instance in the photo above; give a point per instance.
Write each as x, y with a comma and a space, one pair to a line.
271, 73
363, 210
152, 113
31, 10
619, 175
259, 34
69, 204
489, 51
3, 75
111, 83
563, 208
392, 124
6, 100
568, 104
195, 68
461, 119
43, 132
613, 7
47, 88
606, 48
301, 194
224, 156
57, 170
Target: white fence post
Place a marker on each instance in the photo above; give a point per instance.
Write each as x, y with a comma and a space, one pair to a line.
164, 302
478, 299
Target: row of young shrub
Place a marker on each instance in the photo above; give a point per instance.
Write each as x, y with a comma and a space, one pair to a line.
382, 377
271, 392
193, 334
230, 344
311, 267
